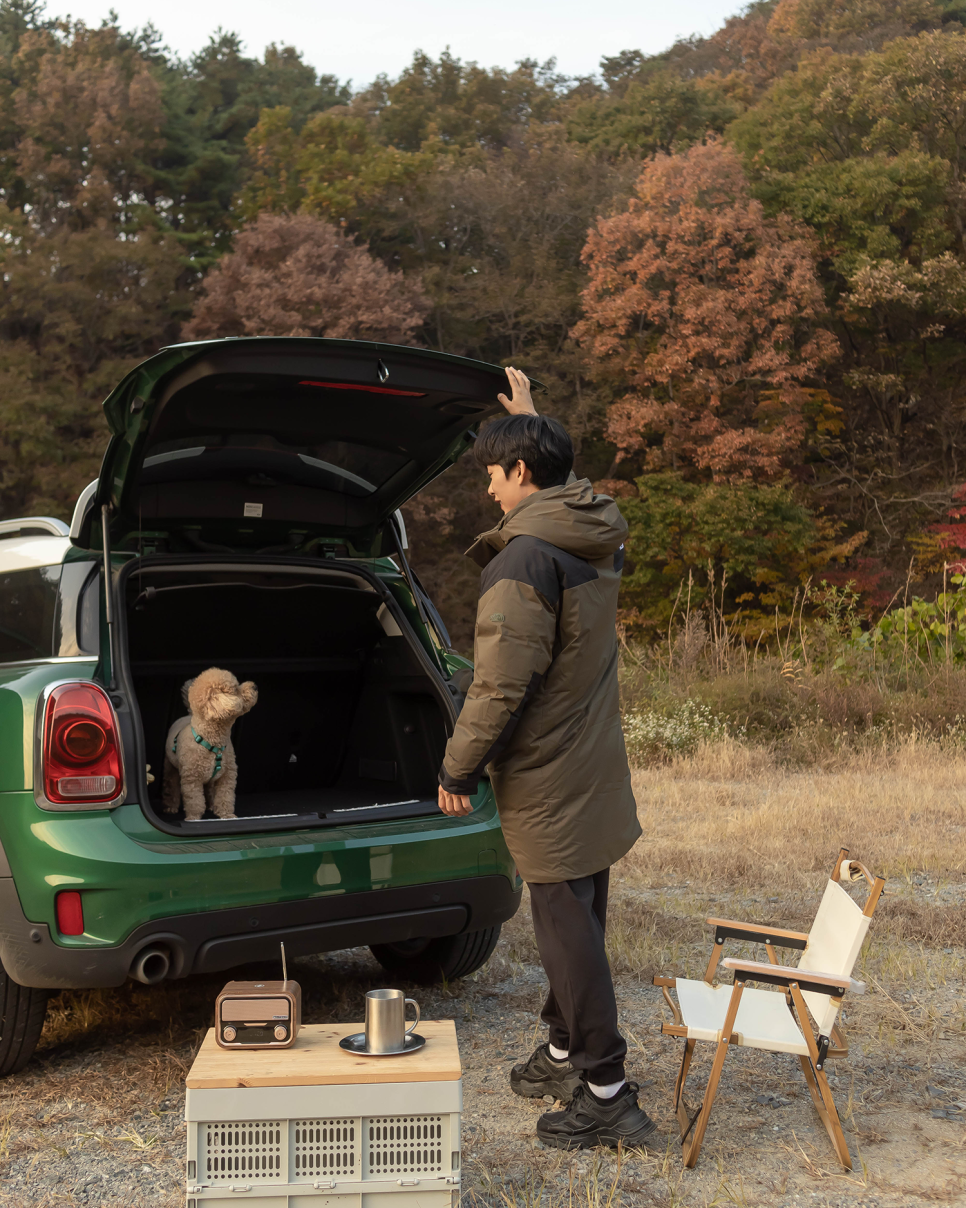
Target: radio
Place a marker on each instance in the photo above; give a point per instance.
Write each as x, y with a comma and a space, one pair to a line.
259, 1015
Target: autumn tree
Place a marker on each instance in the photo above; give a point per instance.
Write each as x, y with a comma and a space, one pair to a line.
852, 24
90, 280
78, 309
87, 117
738, 61
295, 275
708, 312
870, 151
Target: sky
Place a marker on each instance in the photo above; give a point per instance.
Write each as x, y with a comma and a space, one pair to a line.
356, 41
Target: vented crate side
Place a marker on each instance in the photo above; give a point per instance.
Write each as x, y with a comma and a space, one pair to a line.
327, 1161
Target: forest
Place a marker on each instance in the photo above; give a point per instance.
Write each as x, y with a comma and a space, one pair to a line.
738, 267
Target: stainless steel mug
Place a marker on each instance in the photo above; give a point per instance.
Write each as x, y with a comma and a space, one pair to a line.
386, 1029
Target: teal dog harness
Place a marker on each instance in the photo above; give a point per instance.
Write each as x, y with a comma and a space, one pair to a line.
209, 746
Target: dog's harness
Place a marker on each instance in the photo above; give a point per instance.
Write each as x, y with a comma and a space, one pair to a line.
209, 746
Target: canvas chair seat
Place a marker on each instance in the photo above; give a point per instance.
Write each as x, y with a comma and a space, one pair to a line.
763, 1021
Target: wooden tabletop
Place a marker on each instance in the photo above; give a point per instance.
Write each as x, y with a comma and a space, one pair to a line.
316, 1060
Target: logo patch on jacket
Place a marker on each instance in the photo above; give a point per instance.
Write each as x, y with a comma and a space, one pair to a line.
497, 617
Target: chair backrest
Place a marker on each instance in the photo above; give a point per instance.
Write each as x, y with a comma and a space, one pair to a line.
834, 943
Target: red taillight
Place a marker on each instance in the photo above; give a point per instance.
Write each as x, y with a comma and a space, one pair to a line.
82, 755
82, 741
70, 912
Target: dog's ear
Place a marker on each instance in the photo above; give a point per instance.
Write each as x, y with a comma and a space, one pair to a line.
249, 694
185, 689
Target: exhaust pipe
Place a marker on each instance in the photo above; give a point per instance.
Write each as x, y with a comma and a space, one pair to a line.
151, 965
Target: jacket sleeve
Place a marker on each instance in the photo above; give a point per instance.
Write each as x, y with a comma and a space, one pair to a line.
516, 626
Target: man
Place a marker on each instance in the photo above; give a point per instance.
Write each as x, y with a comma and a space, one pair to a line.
542, 714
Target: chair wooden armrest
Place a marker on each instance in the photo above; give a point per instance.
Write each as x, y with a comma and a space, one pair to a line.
756, 933
751, 933
808, 979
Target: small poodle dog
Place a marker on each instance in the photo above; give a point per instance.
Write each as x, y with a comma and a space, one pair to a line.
199, 760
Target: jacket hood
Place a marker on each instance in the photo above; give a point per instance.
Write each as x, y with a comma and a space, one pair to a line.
571, 517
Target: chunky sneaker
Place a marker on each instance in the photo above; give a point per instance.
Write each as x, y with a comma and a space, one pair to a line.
588, 1122
541, 1075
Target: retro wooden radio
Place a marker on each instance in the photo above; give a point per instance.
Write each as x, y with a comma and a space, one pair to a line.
259, 1015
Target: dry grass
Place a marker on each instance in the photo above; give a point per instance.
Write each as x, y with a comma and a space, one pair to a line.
732, 815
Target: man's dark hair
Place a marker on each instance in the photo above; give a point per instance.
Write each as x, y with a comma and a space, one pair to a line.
540, 442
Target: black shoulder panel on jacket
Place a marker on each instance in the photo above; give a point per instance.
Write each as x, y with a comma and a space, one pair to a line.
543, 566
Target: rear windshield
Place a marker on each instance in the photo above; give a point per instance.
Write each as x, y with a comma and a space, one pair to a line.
338, 465
28, 604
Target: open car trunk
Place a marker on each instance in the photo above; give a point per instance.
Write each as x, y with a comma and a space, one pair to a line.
351, 719
303, 445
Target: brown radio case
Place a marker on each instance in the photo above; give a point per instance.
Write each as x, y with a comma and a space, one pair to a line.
258, 1015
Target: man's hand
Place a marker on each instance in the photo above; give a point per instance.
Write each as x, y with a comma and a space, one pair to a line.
521, 403
454, 805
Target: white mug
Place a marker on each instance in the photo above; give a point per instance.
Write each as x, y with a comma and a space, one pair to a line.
386, 1029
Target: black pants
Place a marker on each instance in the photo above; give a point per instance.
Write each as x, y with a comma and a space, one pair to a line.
581, 1011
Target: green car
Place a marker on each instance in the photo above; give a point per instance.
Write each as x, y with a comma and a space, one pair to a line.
246, 517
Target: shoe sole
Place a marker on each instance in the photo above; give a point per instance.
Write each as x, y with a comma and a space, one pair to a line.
603, 1137
528, 1090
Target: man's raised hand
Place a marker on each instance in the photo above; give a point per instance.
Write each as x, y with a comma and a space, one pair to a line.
520, 402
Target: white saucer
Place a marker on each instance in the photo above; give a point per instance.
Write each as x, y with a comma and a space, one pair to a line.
357, 1044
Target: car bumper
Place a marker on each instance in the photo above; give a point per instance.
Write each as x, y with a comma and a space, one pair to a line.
221, 939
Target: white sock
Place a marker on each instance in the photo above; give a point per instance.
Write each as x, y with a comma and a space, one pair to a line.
558, 1054
608, 1091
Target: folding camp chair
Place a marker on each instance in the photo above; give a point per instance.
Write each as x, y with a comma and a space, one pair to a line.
763, 1019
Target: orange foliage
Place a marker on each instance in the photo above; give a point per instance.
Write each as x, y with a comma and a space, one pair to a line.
743, 56
833, 21
708, 311
295, 275
89, 117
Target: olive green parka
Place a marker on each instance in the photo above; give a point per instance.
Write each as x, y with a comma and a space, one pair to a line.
542, 713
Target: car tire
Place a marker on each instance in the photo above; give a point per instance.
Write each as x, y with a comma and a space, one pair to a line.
429, 961
22, 1012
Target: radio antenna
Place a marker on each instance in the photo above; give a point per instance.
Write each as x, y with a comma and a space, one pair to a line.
284, 967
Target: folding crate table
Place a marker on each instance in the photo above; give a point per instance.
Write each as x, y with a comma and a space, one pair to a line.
314, 1126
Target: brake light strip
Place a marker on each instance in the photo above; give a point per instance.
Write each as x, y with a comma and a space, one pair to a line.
366, 389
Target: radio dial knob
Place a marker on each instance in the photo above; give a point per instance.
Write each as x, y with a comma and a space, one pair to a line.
280, 1033
229, 1033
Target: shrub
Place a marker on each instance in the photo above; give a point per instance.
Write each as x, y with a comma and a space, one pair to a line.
652, 735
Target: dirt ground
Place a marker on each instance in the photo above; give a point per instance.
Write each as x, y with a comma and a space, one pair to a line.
96, 1118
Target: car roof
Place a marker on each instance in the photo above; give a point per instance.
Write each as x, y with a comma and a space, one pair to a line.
25, 553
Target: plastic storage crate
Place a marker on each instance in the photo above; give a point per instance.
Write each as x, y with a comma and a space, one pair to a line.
316, 1127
